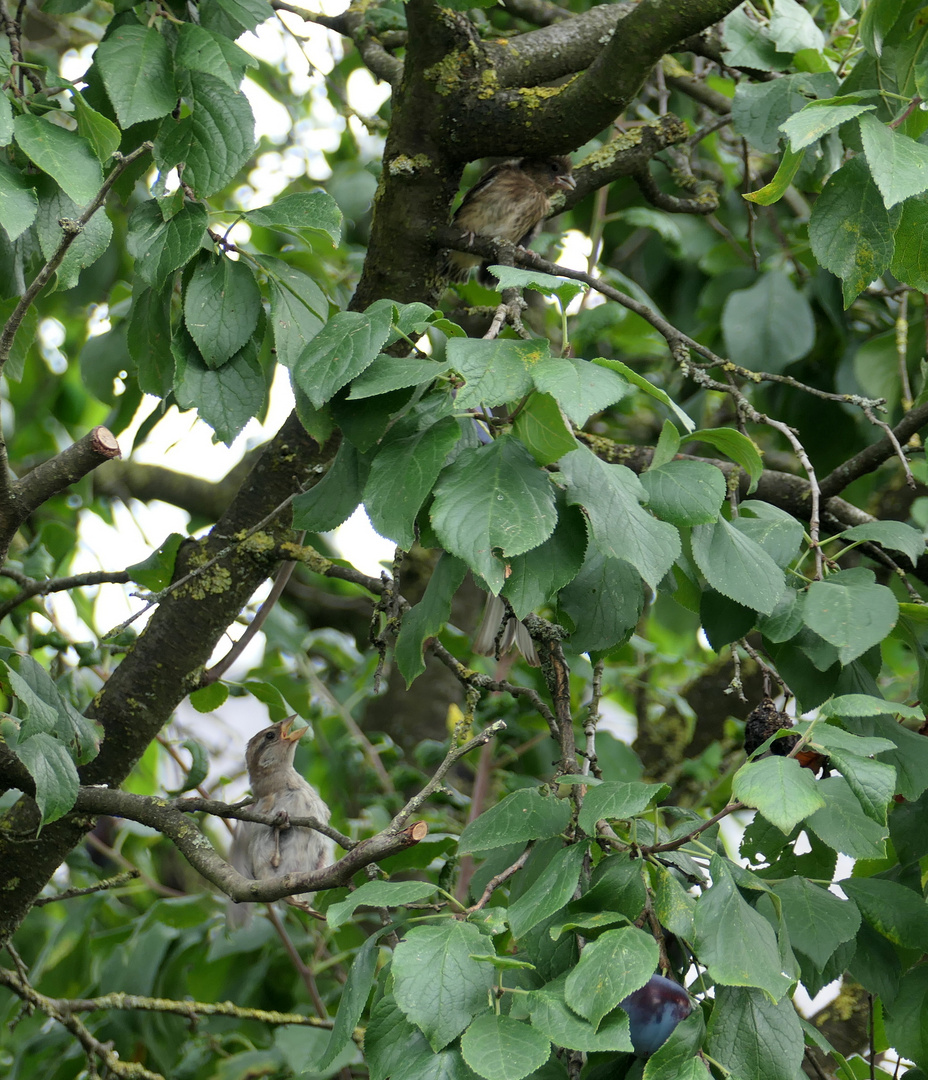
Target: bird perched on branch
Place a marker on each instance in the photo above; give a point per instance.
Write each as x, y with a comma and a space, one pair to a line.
267, 851
509, 202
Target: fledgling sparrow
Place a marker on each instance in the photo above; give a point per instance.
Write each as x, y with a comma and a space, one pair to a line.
266, 851
509, 202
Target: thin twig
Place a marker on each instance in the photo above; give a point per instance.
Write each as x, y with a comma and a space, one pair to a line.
504, 875
108, 883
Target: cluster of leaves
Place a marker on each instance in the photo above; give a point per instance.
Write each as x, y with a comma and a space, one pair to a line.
477, 449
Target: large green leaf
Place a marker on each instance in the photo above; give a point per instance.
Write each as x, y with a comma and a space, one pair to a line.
736, 944
493, 501
737, 566
343, 348
817, 920
769, 325
753, 1038
784, 792
136, 67
850, 610
621, 529
428, 617
524, 815
437, 983
500, 1048
221, 307
549, 893
610, 968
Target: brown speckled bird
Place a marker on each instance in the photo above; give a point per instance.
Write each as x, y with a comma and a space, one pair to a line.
509, 202
265, 851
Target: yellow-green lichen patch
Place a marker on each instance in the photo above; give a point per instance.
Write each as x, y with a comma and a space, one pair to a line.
404, 165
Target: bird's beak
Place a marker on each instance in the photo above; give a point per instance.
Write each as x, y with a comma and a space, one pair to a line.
287, 732
567, 182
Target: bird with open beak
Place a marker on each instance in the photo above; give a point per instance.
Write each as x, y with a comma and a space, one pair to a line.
509, 202
266, 851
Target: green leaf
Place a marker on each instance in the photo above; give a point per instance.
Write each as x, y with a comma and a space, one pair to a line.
614, 800
817, 920
148, 340
342, 349
160, 247
92, 241
493, 499
910, 254
604, 602
200, 49
753, 1038
315, 211
213, 142
792, 28
53, 771
299, 309
354, 997
905, 1019
847, 705
394, 373
780, 788
579, 387
779, 185
737, 566
895, 535
436, 983
850, 229
536, 576
384, 894
136, 68
511, 277
621, 529
402, 475
226, 399
18, 202
543, 429
548, 893
247, 13
742, 450
393, 1047
155, 572
208, 699
877, 21
758, 109
673, 905
898, 164
428, 617
550, 1015
221, 307
648, 387
770, 324
102, 134
872, 782
199, 757
909, 757
333, 500
522, 816
500, 1048
736, 943
747, 44
668, 446
842, 824
610, 968
898, 913
851, 611
684, 492
818, 118
495, 372
777, 532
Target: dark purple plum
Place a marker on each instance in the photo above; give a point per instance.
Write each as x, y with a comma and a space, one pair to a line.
654, 1011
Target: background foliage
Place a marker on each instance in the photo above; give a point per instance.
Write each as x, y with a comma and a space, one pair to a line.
693, 468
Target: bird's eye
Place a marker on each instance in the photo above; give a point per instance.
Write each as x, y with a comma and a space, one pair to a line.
269, 735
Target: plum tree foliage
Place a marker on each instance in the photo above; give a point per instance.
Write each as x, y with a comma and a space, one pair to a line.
693, 469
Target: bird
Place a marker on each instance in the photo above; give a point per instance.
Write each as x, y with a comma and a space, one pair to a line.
654, 1011
266, 851
766, 720
508, 202
514, 633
